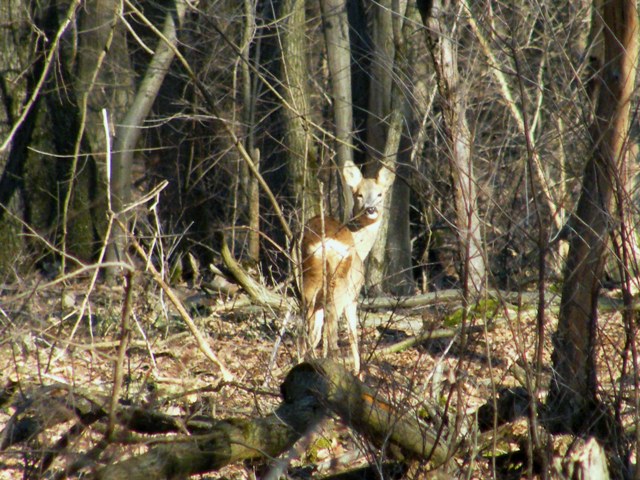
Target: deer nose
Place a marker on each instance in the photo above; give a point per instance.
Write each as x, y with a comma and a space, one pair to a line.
370, 211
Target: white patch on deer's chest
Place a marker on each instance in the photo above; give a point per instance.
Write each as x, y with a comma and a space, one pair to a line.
331, 246
364, 239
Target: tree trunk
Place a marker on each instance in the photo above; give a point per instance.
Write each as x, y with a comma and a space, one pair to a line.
15, 89
440, 40
249, 98
302, 160
129, 128
104, 80
399, 277
336, 32
380, 76
389, 265
572, 392
384, 129
48, 121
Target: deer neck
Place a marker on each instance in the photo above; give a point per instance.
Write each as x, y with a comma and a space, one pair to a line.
364, 235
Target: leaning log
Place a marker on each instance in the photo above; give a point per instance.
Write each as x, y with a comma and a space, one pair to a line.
311, 391
362, 409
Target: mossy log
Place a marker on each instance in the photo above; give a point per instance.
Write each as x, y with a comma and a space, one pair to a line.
310, 392
230, 441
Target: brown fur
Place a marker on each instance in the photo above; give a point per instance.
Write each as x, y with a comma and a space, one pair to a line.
333, 257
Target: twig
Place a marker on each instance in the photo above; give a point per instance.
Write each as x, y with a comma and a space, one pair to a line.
125, 337
200, 340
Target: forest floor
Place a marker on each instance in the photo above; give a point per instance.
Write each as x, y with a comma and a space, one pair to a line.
45, 342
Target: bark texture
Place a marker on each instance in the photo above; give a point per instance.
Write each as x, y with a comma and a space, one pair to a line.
572, 392
438, 17
301, 152
336, 34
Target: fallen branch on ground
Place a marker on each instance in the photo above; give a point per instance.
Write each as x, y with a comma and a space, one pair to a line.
311, 392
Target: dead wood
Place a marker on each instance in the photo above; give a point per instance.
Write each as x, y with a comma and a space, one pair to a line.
260, 295
311, 391
256, 291
427, 335
585, 459
42, 408
387, 470
39, 409
362, 409
230, 441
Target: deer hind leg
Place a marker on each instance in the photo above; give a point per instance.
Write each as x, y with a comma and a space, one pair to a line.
352, 328
330, 333
314, 328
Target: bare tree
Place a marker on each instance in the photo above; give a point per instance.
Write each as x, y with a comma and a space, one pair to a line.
336, 34
302, 157
129, 128
389, 264
440, 21
573, 388
249, 85
104, 79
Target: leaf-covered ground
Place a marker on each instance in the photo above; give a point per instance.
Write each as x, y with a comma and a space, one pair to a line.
45, 342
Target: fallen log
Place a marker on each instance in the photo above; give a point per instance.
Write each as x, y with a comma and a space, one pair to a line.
362, 409
231, 441
311, 391
585, 459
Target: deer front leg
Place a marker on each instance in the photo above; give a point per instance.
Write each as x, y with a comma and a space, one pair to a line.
352, 327
314, 328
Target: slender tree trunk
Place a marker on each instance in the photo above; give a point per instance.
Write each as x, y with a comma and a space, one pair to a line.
300, 150
384, 130
399, 278
381, 76
336, 32
443, 50
249, 97
572, 392
129, 128
389, 263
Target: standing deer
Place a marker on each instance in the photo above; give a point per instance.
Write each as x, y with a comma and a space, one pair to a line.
333, 256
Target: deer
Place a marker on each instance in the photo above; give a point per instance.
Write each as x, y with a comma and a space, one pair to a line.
333, 256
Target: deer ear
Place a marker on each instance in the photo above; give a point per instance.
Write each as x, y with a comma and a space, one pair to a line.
352, 175
385, 177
